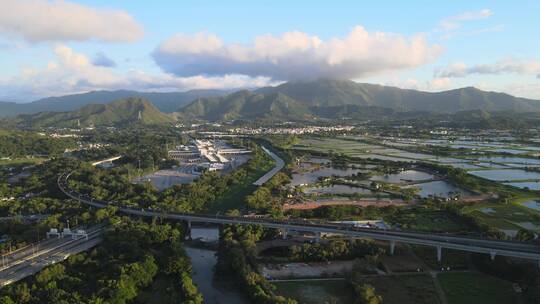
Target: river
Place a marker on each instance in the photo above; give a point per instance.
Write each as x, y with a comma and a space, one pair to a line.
203, 261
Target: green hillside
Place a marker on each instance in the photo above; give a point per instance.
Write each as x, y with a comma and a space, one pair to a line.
117, 113
338, 99
332, 93
247, 105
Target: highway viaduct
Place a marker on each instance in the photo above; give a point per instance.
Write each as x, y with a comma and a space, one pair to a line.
529, 251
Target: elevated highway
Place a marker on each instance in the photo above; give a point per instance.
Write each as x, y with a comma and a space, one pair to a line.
513, 249
29, 260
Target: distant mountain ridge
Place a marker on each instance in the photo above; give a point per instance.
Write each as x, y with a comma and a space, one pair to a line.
336, 99
118, 113
165, 101
326, 92
320, 99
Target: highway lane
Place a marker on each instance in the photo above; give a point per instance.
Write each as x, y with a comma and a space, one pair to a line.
10, 259
50, 253
471, 244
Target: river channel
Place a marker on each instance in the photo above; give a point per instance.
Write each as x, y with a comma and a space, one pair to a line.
203, 262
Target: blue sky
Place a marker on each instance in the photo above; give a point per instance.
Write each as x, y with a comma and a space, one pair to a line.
77, 46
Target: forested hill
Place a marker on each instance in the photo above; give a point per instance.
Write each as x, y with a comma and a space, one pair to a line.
165, 101
333, 93
335, 99
118, 113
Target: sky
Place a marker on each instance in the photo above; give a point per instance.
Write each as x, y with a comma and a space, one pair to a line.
53, 48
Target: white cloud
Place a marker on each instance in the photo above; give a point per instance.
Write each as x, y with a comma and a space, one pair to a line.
439, 84
41, 20
506, 66
295, 55
527, 90
73, 72
454, 22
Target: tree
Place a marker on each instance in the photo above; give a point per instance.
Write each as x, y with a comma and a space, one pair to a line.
524, 235
367, 294
260, 199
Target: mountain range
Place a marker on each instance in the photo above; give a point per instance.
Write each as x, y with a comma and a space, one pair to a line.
165, 102
338, 99
291, 101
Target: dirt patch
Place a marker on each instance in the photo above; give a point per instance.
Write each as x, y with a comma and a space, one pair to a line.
307, 270
361, 203
402, 263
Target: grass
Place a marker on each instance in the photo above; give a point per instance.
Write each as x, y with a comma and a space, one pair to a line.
450, 258
235, 196
426, 220
405, 289
22, 161
509, 216
401, 261
317, 292
326, 145
476, 288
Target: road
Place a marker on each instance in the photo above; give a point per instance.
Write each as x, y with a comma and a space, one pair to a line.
280, 163
463, 243
31, 259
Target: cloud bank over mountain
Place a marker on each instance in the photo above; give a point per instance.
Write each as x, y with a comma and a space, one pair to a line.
295, 55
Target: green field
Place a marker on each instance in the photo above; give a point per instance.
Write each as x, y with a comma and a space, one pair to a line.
317, 292
405, 289
476, 288
22, 161
234, 198
424, 219
333, 145
511, 216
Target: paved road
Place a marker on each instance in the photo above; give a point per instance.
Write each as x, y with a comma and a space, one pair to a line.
458, 242
31, 259
280, 163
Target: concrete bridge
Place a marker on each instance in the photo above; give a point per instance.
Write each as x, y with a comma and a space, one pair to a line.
513, 249
106, 161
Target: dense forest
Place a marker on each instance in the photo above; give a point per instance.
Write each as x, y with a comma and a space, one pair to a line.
17, 144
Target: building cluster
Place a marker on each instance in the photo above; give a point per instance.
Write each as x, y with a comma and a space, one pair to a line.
292, 130
214, 155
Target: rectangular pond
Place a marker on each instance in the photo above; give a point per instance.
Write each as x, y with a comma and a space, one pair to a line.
440, 189
312, 177
506, 175
523, 185
515, 160
532, 204
404, 176
337, 189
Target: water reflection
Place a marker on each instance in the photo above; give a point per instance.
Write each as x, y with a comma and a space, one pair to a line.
407, 175
203, 262
312, 177
337, 189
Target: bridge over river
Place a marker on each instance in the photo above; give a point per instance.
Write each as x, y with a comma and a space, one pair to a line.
492, 247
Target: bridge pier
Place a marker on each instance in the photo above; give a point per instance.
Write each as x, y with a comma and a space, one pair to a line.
392, 247
284, 233
492, 254
187, 228
439, 254
317, 237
